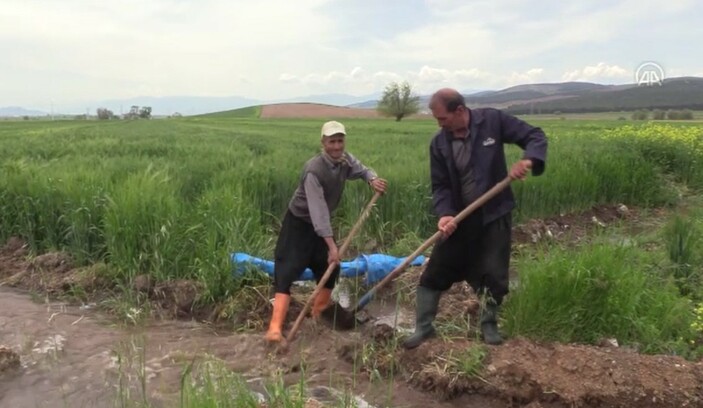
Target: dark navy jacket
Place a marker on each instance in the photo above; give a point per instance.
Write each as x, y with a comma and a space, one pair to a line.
490, 129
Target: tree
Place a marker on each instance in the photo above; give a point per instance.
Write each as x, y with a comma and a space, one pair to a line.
145, 112
684, 114
641, 114
133, 112
398, 100
105, 114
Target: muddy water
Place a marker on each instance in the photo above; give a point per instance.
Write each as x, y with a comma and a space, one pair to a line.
74, 357
65, 355
71, 356
382, 311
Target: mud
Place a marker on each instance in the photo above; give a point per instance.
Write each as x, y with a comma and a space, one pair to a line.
51, 274
521, 372
57, 354
72, 356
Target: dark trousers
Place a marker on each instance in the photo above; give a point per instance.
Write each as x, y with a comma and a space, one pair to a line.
299, 247
476, 253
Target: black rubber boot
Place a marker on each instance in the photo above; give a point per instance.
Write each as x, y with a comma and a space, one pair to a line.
427, 304
489, 323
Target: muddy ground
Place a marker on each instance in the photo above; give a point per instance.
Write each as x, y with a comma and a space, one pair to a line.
57, 353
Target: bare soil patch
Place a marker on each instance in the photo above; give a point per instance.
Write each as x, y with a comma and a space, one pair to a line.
525, 373
316, 110
574, 227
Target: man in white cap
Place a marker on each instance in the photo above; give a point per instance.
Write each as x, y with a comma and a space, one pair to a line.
306, 239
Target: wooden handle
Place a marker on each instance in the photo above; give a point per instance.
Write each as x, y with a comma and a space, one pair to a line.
331, 268
433, 239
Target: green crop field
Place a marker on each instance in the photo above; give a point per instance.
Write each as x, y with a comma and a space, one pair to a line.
173, 198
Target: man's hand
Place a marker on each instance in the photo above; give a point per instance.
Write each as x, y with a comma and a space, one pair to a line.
520, 169
332, 251
333, 256
446, 225
379, 185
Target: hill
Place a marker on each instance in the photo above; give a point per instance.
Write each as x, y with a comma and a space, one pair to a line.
297, 110
674, 93
16, 111
571, 97
576, 97
533, 93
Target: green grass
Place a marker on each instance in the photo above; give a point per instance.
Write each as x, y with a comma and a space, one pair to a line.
468, 362
683, 237
600, 291
173, 198
207, 382
248, 112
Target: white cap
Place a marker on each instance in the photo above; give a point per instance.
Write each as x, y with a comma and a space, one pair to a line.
332, 128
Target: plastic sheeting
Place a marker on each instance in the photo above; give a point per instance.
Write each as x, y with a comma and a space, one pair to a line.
374, 266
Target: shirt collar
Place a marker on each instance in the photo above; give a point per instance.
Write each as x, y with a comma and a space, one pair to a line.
330, 163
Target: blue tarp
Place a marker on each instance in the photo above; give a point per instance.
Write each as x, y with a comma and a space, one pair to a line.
374, 266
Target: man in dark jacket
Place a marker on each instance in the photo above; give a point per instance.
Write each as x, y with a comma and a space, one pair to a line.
467, 159
306, 239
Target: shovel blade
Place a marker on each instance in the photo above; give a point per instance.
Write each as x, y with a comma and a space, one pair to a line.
339, 318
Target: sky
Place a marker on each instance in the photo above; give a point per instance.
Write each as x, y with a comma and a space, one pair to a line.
61, 52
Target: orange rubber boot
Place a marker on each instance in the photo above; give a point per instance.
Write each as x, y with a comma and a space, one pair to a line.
322, 301
280, 309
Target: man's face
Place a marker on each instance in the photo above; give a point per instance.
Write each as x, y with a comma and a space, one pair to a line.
334, 145
449, 121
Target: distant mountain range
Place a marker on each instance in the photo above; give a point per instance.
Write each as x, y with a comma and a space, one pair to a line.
424, 99
674, 93
188, 105
16, 111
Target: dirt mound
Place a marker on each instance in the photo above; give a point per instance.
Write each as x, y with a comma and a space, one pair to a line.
522, 372
52, 273
571, 227
12, 257
55, 262
177, 297
14, 247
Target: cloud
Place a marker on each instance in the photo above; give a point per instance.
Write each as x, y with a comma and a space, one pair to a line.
599, 71
175, 47
674, 72
288, 78
82, 49
424, 80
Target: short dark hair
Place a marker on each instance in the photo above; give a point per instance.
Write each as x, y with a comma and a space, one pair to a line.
449, 98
